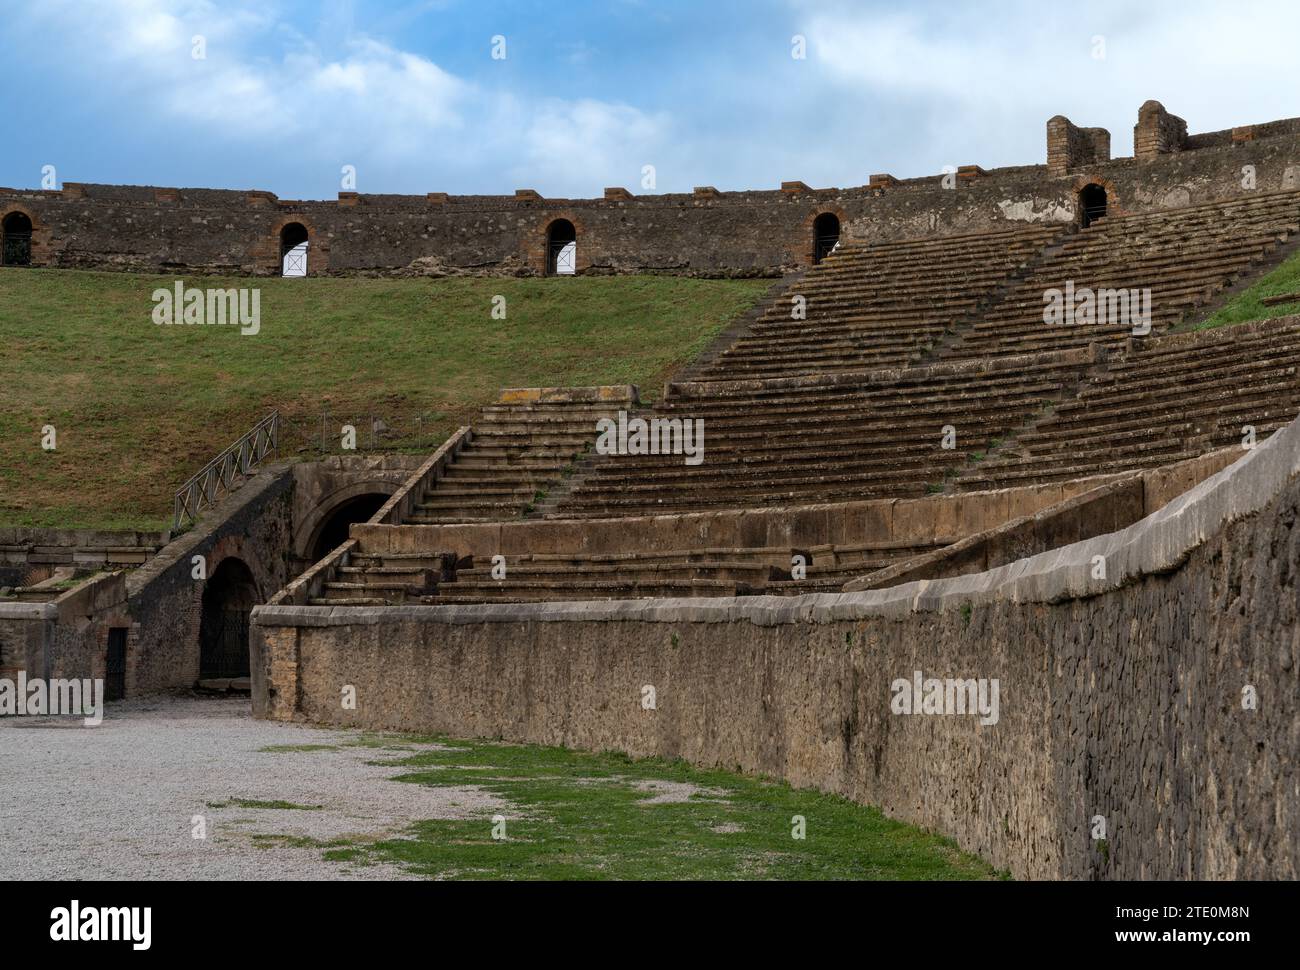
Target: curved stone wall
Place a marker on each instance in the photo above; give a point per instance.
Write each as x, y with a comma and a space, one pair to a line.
1147, 679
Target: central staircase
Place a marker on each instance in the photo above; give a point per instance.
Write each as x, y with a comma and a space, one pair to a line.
521, 448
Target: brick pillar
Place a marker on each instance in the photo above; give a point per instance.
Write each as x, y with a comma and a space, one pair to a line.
1070, 147
1157, 132
1098, 145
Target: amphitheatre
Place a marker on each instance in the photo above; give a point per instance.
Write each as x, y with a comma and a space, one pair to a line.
906, 472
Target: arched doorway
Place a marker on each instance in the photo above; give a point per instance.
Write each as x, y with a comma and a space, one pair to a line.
228, 598
1092, 204
16, 240
826, 235
293, 250
333, 532
561, 248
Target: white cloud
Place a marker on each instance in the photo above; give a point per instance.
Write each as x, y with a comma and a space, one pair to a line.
286, 101
371, 104
572, 142
1215, 64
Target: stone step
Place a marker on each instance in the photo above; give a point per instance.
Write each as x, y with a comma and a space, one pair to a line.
748, 572
591, 589
352, 601
463, 518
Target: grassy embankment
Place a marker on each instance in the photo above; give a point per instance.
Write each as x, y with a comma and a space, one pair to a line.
138, 407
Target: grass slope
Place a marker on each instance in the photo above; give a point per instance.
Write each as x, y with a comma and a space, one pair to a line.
1245, 306
139, 407
577, 815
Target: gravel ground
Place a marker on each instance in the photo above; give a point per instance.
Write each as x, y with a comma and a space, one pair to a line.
118, 801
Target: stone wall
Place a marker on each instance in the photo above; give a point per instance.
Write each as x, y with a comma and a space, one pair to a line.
934, 518
1121, 689
24, 637
29, 555
926, 520
164, 606
267, 523
1116, 502
61, 638
706, 232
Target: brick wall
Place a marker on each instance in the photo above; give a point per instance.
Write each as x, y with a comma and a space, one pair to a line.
1158, 132
706, 232
1070, 147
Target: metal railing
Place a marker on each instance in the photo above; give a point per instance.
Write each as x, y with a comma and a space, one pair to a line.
221, 473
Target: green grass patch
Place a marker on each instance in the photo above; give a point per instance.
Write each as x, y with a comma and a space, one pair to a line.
1246, 306
576, 815
255, 803
294, 748
391, 742
294, 841
138, 407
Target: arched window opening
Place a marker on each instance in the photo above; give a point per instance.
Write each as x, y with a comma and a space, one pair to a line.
561, 248
16, 241
293, 250
228, 598
334, 530
1092, 204
826, 235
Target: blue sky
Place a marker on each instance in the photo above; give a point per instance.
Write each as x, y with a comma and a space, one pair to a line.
591, 92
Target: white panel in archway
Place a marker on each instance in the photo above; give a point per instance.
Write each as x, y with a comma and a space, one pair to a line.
295, 261
566, 261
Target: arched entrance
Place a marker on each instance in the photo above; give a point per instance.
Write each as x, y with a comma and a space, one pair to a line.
16, 240
333, 532
228, 598
826, 235
1092, 204
293, 250
561, 248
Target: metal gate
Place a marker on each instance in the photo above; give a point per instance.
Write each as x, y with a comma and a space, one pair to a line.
295, 261
115, 668
565, 257
823, 246
17, 249
224, 648
1093, 213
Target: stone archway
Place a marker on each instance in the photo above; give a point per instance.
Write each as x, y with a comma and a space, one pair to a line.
295, 240
561, 248
331, 529
1101, 194
826, 235
16, 239
312, 518
825, 224
1093, 204
229, 596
